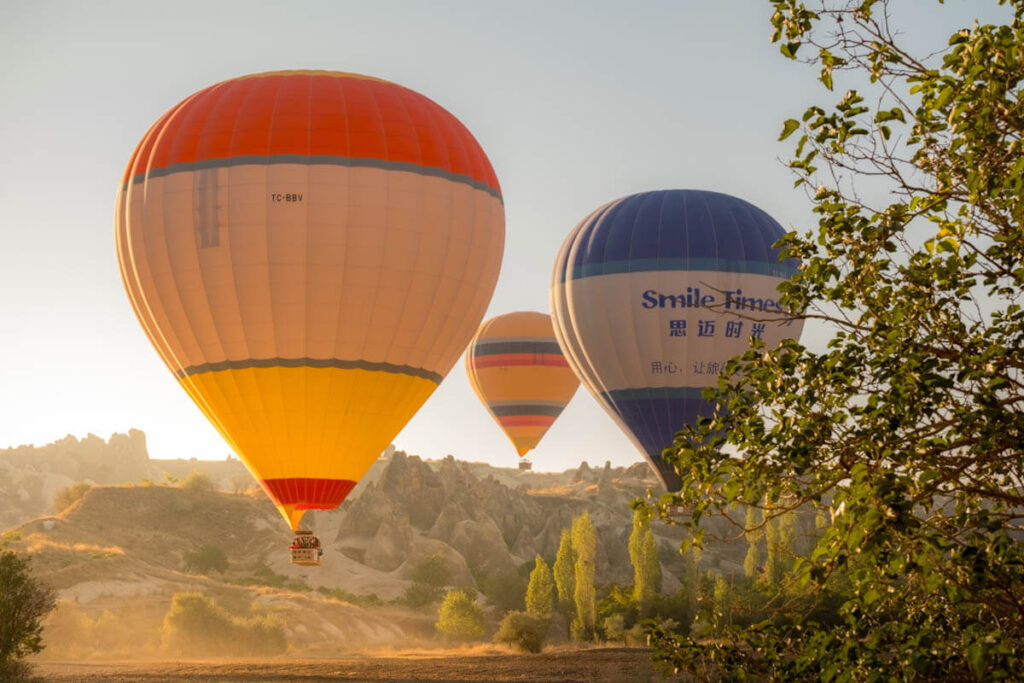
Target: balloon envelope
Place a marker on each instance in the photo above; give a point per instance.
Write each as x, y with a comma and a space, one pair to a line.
309, 252
651, 294
520, 375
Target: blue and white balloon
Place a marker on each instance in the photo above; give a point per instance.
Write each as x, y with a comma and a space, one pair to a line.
651, 294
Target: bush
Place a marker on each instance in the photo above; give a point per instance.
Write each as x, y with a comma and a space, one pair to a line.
432, 570
207, 559
523, 630
197, 625
198, 481
69, 495
460, 617
420, 595
24, 603
505, 592
368, 600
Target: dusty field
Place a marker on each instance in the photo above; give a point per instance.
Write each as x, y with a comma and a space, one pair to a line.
605, 665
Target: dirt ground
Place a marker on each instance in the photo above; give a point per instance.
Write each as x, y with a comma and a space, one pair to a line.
604, 665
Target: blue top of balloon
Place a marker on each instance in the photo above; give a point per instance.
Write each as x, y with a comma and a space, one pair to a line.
680, 230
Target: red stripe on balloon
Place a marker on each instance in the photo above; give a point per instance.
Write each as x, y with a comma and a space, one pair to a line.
307, 493
526, 421
510, 359
321, 114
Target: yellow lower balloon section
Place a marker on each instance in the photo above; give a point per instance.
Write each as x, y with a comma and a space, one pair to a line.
302, 431
525, 439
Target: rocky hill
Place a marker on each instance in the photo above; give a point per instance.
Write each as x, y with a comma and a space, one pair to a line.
121, 549
30, 476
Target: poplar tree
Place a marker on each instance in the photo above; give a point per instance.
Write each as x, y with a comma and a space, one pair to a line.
565, 574
540, 591
584, 543
752, 562
643, 553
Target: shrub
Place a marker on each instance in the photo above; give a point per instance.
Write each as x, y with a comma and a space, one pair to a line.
460, 617
198, 481
523, 630
69, 495
197, 625
433, 570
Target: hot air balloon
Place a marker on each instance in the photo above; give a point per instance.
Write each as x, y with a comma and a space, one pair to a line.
519, 373
651, 294
309, 252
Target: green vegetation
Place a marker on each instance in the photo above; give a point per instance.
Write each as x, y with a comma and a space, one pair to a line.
564, 572
643, 553
584, 545
429, 579
69, 495
74, 635
197, 625
523, 630
198, 481
204, 560
368, 600
24, 603
754, 534
433, 570
460, 617
906, 433
504, 591
540, 592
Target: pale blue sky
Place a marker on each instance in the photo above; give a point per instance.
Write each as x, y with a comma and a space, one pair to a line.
575, 103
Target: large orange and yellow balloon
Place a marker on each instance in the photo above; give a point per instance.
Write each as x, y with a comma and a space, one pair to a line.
520, 374
309, 252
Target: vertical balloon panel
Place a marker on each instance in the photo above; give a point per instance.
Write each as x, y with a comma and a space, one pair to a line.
309, 252
653, 293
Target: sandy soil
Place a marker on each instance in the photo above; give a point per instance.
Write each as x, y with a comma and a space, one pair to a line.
605, 665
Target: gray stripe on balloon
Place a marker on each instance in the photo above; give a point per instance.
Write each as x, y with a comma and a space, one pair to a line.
309, 363
314, 160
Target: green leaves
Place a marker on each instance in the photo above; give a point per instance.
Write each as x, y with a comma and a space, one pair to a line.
905, 431
788, 127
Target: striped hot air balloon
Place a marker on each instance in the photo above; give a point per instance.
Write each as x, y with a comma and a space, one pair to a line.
651, 294
309, 252
519, 373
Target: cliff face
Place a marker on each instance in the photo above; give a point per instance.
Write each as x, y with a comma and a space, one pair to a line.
486, 524
30, 476
483, 520
121, 546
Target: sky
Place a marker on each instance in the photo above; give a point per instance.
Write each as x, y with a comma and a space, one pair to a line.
576, 103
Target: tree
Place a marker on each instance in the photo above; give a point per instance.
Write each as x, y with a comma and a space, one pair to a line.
69, 495
584, 543
24, 603
540, 591
429, 577
523, 630
752, 562
565, 574
643, 553
505, 591
460, 617
778, 533
907, 430
433, 570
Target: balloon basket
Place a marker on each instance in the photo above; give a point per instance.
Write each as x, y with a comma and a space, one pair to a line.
525, 465
305, 549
